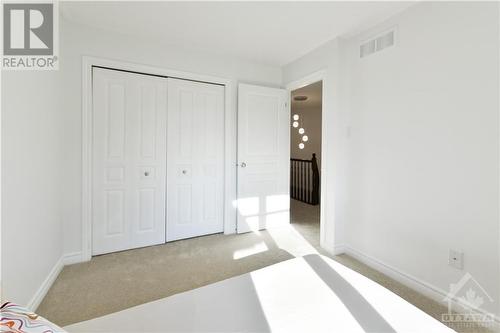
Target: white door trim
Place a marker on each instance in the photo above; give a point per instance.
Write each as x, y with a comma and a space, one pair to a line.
229, 139
325, 221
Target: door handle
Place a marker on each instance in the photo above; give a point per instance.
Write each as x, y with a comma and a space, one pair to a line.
243, 164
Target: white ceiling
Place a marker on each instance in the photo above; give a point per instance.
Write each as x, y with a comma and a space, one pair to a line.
273, 33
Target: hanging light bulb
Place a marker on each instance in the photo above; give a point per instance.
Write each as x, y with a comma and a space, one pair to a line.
305, 138
301, 130
295, 124
295, 117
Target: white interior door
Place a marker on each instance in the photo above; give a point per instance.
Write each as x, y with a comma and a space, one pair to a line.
195, 159
263, 158
129, 160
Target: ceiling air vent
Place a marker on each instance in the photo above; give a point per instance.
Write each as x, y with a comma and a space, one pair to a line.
376, 44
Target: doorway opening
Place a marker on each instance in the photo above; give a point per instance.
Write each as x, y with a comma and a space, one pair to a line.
305, 160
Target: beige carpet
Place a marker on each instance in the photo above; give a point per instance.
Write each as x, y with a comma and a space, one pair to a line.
117, 281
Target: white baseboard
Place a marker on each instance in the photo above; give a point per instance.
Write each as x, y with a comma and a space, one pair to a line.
73, 258
408, 280
47, 283
339, 249
67, 259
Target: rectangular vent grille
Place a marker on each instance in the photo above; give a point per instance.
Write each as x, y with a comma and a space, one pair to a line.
377, 44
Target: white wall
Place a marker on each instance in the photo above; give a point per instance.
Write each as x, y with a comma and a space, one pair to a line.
76, 41
425, 145
422, 163
31, 181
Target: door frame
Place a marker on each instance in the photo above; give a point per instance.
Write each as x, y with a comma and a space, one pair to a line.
88, 62
326, 222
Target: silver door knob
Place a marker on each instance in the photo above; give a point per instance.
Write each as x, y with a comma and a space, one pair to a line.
243, 164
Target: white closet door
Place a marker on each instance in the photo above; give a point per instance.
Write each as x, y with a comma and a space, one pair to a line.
195, 159
129, 160
263, 158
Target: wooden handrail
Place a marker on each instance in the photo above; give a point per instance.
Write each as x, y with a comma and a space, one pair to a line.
315, 190
305, 180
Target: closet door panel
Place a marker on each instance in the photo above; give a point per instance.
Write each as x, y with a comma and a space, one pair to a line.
129, 160
195, 159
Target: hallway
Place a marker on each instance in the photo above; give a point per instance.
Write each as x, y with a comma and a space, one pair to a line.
305, 219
